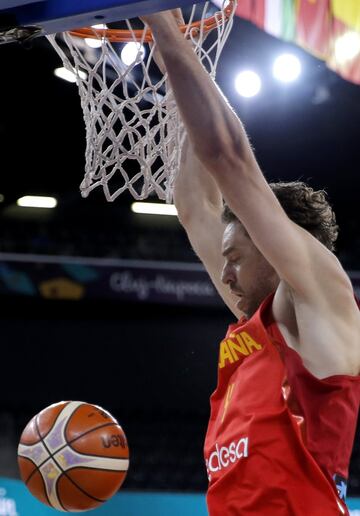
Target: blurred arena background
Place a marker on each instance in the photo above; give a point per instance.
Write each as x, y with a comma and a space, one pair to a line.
105, 305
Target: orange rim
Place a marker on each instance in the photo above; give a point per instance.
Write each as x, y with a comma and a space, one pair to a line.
123, 36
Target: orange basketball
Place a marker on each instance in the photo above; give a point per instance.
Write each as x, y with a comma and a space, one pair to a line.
73, 456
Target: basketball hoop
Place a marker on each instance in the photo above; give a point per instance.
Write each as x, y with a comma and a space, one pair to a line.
123, 36
134, 133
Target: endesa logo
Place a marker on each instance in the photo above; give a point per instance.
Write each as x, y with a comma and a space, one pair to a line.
223, 457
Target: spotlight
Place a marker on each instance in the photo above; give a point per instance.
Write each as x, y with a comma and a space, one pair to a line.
347, 46
248, 83
151, 208
93, 43
132, 52
287, 68
67, 75
36, 201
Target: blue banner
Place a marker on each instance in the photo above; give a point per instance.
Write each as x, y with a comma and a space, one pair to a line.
63, 277
16, 500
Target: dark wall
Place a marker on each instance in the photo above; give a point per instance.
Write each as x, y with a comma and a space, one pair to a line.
153, 367
123, 356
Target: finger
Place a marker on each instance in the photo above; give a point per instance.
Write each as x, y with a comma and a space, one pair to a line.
177, 14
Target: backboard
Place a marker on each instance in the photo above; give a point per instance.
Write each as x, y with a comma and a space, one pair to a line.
50, 16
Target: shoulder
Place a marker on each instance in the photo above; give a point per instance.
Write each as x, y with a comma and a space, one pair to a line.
326, 334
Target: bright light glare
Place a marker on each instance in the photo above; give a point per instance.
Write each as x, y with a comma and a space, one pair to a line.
36, 201
347, 46
132, 52
152, 208
99, 26
93, 43
65, 74
287, 68
248, 83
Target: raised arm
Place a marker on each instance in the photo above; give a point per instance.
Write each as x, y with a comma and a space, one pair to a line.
221, 145
199, 204
314, 278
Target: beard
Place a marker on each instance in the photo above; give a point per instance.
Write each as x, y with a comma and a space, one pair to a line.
249, 304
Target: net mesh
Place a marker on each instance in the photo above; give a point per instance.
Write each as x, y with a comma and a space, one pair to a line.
134, 132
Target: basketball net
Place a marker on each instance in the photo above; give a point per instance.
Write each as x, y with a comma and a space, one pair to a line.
134, 133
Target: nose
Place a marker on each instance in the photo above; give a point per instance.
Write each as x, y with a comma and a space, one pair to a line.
227, 274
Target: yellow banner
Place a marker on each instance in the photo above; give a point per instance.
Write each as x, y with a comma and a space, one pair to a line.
347, 11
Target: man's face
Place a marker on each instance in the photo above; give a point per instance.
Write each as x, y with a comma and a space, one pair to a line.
245, 271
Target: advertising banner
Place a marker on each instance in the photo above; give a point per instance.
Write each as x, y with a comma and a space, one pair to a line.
15, 500
61, 277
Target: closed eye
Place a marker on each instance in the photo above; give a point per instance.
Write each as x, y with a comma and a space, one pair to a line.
234, 259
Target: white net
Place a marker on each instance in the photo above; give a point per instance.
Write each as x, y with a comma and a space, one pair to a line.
133, 130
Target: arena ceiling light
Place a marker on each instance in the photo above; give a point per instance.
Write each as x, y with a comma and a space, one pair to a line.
347, 46
95, 42
36, 201
153, 208
247, 83
67, 75
132, 52
286, 68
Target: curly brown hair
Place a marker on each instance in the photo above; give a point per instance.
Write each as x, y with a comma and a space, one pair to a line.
306, 207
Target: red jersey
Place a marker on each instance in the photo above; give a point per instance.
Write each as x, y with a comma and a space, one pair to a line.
279, 439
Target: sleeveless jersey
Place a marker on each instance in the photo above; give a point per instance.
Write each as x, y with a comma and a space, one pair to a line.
279, 439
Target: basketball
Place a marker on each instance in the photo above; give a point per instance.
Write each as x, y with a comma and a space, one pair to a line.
73, 456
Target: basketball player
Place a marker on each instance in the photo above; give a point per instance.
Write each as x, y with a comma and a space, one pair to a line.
284, 413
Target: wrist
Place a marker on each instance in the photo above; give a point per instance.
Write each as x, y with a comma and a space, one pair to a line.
162, 22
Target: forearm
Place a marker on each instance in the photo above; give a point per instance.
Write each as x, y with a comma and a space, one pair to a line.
195, 190
211, 124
